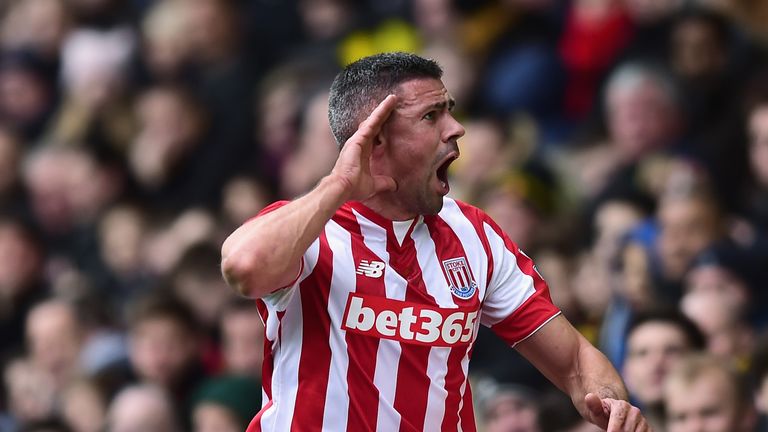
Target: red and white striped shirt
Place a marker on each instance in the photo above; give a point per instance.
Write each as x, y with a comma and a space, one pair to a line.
377, 331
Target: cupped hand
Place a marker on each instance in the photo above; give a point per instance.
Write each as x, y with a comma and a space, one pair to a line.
353, 165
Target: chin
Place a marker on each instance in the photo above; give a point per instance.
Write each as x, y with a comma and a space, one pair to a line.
433, 208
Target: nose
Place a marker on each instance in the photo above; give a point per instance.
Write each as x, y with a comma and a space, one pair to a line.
454, 130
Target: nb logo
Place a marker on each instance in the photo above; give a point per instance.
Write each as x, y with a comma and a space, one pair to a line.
372, 269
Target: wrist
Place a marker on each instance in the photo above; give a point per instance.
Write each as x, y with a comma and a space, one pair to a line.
336, 188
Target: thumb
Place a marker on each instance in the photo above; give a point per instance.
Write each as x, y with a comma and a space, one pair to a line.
596, 410
384, 184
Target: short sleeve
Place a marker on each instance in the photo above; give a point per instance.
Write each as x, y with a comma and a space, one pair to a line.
281, 294
517, 301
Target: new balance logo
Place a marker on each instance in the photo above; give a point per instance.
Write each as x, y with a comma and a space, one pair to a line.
372, 269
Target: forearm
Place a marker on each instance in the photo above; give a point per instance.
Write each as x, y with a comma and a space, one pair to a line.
564, 356
594, 374
264, 254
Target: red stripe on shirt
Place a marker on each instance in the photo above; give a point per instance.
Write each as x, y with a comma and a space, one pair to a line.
468, 412
412, 390
315, 358
361, 349
448, 246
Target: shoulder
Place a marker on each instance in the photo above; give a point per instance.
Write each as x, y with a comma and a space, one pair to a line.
457, 208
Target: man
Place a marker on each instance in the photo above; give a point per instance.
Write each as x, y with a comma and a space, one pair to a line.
702, 394
373, 284
142, 407
656, 341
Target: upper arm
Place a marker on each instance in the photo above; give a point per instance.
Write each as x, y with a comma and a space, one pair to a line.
245, 256
517, 301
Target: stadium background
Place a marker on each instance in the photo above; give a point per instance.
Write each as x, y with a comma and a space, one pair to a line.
622, 143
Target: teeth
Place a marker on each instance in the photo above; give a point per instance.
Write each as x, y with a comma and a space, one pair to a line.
444, 184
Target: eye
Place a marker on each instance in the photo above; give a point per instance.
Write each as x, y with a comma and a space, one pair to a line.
430, 115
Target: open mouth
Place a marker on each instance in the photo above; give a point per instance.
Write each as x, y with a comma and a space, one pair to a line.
442, 171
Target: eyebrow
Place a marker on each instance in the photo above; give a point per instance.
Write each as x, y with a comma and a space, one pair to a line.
441, 105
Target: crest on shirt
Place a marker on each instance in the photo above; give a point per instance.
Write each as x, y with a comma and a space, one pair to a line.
459, 277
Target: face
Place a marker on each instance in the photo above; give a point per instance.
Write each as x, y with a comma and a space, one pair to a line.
512, 413
243, 342
687, 227
705, 405
696, 50
418, 143
758, 145
717, 281
141, 410
209, 417
21, 261
83, 407
635, 280
652, 349
160, 350
762, 396
612, 221
54, 338
641, 119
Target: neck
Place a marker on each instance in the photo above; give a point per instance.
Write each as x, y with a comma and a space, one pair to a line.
388, 207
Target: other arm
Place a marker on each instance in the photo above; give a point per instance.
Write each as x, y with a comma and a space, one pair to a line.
264, 254
567, 359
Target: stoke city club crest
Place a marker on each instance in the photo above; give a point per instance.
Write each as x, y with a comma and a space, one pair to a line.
459, 278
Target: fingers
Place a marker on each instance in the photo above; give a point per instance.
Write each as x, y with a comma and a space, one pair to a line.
372, 125
596, 410
384, 184
625, 417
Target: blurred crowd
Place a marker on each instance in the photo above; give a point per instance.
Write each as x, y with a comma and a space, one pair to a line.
623, 144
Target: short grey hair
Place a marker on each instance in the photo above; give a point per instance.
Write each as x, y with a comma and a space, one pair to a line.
358, 88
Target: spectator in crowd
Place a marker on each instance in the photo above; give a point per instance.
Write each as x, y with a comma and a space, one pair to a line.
243, 197
142, 407
83, 406
718, 297
242, 339
509, 407
122, 238
21, 281
196, 280
27, 92
13, 197
31, 392
133, 131
225, 404
759, 379
702, 393
656, 341
48, 425
522, 201
163, 156
69, 188
94, 111
316, 151
164, 347
39, 26
756, 202
485, 155
55, 337
166, 53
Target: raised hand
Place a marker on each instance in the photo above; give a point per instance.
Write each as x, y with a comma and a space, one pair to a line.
615, 415
353, 165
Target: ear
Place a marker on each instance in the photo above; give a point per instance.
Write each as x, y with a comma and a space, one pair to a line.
380, 142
